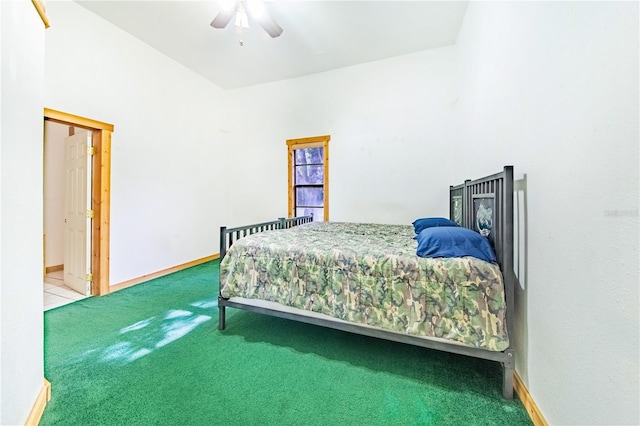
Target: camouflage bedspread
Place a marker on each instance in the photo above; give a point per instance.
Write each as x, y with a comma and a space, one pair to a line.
370, 274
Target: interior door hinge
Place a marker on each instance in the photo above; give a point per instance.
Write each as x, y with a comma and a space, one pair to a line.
91, 150
89, 277
90, 214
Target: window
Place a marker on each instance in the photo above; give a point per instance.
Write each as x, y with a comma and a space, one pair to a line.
309, 177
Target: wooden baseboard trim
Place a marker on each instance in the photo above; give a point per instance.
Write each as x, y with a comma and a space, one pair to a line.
44, 396
54, 268
158, 274
529, 404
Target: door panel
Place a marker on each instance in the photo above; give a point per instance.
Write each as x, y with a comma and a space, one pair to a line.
76, 227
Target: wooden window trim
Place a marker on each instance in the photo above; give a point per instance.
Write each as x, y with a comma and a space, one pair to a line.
311, 142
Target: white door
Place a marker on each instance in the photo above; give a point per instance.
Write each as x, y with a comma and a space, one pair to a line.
77, 223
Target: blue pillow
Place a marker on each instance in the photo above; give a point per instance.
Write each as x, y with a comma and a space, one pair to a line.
429, 222
454, 242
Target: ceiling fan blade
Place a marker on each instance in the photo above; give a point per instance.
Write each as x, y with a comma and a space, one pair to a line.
222, 19
269, 25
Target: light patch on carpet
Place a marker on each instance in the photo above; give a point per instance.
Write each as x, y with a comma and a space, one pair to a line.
124, 352
175, 324
205, 304
137, 326
177, 313
84, 355
182, 323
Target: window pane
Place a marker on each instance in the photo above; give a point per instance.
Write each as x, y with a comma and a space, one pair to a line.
318, 214
309, 196
309, 175
309, 156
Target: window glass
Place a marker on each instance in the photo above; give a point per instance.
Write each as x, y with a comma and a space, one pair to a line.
309, 196
309, 156
306, 175
306, 211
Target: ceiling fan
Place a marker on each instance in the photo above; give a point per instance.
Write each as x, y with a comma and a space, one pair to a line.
239, 8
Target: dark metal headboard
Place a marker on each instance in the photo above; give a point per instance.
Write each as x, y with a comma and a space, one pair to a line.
487, 208
456, 203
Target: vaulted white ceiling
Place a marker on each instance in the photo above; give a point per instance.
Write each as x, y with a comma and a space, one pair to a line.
318, 35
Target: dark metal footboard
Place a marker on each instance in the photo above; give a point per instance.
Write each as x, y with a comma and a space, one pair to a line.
228, 236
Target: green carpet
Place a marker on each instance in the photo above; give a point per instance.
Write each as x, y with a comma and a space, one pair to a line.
152, 355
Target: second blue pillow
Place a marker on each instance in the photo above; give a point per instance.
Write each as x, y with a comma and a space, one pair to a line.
430, 222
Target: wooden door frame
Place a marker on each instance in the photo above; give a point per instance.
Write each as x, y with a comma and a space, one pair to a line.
100, 193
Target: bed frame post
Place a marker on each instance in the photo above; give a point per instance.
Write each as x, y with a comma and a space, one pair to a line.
509, 279
222, 323
223, 242
507, 249
508, 369
221, 308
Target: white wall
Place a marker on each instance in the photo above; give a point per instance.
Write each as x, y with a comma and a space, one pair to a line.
167, 145
21, 331
390, 124
552, 87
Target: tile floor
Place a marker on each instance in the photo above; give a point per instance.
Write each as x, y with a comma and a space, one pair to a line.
56, 293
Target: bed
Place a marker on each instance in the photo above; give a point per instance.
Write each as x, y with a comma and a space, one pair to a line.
368, 279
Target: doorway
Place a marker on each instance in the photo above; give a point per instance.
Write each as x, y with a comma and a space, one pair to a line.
100, 193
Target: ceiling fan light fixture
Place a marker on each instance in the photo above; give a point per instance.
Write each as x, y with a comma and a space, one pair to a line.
237, 10
242, 20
